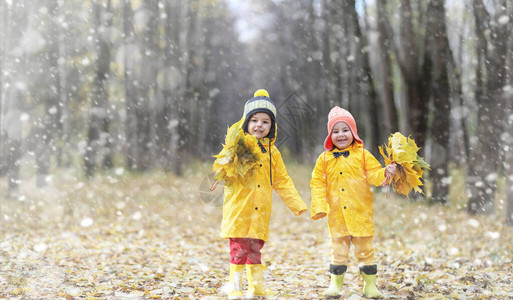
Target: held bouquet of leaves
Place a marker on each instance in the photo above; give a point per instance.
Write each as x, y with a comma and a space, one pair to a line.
239, 157
410, 166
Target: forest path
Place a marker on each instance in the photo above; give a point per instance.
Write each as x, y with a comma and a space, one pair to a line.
153, 237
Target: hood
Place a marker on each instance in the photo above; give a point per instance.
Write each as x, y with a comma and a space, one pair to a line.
335, 116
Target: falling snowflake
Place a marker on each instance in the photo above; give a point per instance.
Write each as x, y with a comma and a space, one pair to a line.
86, 222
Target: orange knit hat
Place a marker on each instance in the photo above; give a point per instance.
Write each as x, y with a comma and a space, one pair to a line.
336, 115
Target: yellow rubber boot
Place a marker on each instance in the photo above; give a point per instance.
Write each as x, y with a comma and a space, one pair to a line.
336, 282
370, 290
235, 284
256, 286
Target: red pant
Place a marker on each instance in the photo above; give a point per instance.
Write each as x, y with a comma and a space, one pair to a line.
245, 251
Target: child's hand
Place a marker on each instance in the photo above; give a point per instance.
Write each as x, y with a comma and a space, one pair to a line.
391, 170
319, 216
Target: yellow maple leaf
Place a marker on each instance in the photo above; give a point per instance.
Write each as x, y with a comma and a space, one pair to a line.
239, 155
404, 152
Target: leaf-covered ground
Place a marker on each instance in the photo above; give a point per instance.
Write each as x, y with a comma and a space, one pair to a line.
125, 236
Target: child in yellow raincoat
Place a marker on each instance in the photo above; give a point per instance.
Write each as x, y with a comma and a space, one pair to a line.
340, 188
247, 208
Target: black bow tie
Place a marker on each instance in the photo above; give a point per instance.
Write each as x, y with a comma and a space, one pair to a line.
337, 154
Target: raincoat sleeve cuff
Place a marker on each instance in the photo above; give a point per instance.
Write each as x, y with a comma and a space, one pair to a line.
302, 211
319, 209
319, 215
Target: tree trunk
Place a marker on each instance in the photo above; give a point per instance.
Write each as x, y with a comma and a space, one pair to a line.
416, 77
130, 90
98, 139
190, 100
54, 32
370, 106
147, 77
508, 96
43, 148
13, 163
202, 103
438, 44
3, 24
334, 55
12, 93
185, 102
63, 151
457, 91
391, 123
460, 135
49, 94
13, 134
314, 89
164, 115
167, 85
347, 44
485, 154
173, 55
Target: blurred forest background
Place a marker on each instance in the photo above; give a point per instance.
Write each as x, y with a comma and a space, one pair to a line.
111, 111
142, 85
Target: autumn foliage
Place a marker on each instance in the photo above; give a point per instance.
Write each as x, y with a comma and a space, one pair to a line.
403, 151
152, 236
239, 157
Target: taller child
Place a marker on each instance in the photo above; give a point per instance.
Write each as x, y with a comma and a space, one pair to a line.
247, 208
341, 190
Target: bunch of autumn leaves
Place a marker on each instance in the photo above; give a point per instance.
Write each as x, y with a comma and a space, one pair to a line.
241, 154
410, 166
239, 157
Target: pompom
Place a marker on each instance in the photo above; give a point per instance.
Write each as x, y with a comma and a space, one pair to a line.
261, 92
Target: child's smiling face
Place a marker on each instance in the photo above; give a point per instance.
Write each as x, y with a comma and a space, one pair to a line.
341, 136
259, 125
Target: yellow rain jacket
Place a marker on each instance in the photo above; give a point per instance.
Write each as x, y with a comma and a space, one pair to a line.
247, 210
345, 194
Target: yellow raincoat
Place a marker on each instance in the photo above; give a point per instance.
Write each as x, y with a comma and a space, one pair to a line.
247, 210
345, 194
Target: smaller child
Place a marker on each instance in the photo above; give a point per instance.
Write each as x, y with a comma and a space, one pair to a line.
247, 207
340, 188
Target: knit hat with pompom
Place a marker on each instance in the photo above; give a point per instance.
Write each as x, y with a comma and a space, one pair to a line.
261, 102
335, 116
